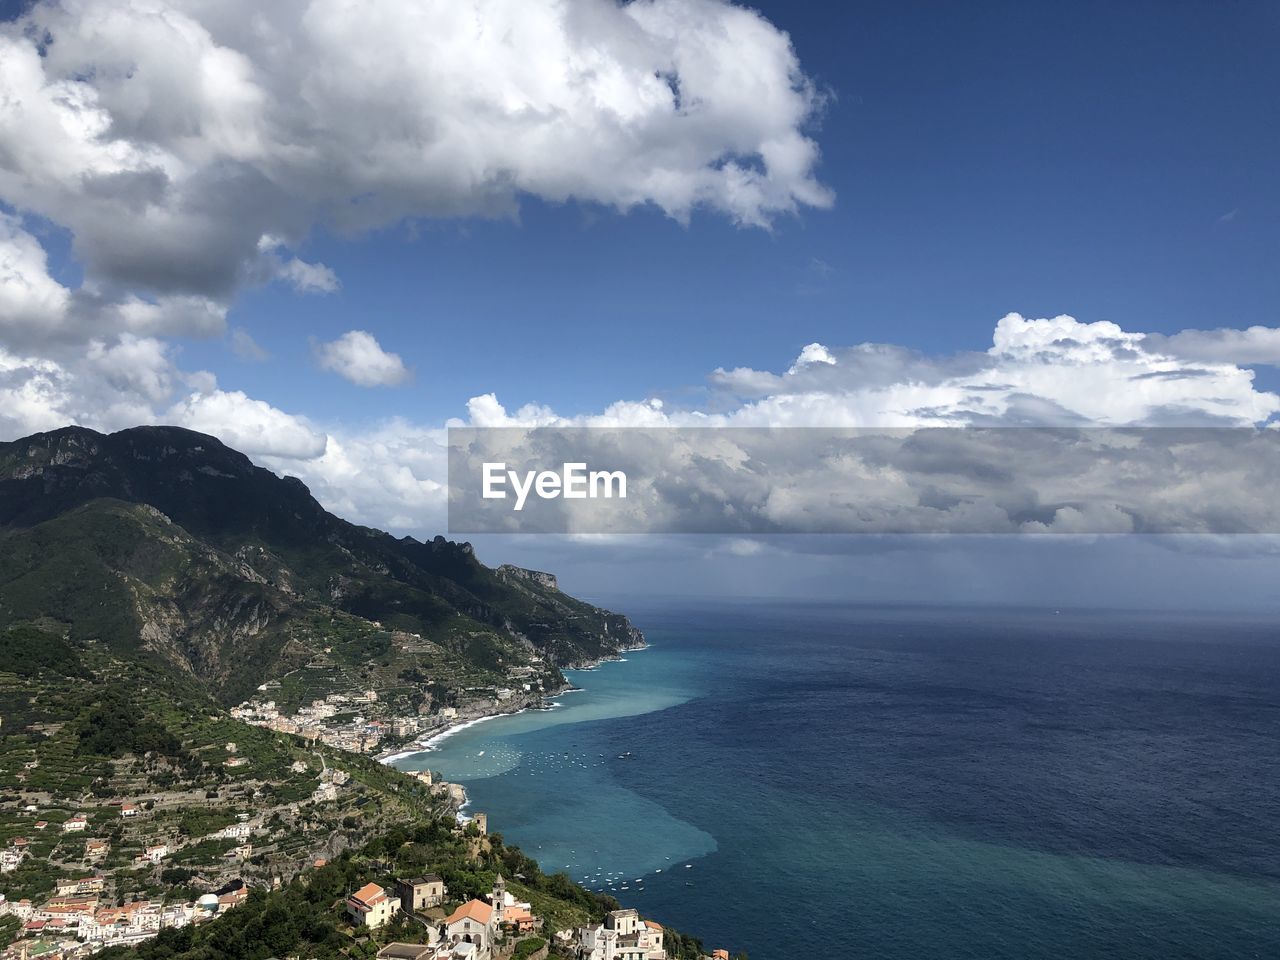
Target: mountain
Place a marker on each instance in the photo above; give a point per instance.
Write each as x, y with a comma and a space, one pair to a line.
165, 544
152, 578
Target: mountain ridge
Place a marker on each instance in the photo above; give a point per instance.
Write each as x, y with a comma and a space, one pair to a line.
172, 542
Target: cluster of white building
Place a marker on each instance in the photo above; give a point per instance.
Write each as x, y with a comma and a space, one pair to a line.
79, 924
624, 935
75, 922
360, 734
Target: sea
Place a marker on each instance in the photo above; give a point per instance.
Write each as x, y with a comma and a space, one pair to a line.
791, 780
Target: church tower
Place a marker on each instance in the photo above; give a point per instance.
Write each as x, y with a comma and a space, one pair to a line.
499, 899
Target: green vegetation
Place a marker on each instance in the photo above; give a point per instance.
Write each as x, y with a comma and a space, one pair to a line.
235, 575
306, 918
31, 880
114, 729
114, 726
28, 651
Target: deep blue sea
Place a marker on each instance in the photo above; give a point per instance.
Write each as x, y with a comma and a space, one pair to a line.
899, 784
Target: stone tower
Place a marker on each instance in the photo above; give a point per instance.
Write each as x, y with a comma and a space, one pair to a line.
499, 900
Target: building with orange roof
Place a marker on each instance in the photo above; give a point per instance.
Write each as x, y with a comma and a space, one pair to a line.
472, 923
66, 911
519, 919
371, 906
475, 910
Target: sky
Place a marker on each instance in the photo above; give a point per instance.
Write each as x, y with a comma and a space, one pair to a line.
321, 231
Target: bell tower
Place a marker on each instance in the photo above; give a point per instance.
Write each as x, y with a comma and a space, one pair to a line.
499, 898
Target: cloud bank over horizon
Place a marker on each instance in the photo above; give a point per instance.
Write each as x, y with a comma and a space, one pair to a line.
1052, 372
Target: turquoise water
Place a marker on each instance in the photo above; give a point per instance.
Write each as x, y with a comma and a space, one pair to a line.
907, 784
546, 781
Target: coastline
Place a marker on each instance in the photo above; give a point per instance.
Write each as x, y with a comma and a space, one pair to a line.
444, 733
429, 742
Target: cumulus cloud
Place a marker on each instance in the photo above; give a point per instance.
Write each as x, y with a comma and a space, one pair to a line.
251, 426
309, 277
991, 480
30, 299
389, 475
131, 380
1053, 372
1255, 345
189, 147
33, 395
811, 354
37, 310
358, 357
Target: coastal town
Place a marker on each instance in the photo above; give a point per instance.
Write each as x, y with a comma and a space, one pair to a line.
324, 704
359, 722
497, 926
168, 860
82, 917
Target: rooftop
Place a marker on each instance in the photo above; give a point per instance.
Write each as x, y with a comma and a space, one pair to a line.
370, 894
476, 910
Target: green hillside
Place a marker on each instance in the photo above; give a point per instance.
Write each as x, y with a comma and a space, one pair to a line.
163, 543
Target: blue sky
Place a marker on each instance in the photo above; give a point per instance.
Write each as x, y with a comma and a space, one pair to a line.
1044, 158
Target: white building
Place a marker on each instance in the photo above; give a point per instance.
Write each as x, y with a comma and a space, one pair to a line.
371, 906
622, 936
472, 924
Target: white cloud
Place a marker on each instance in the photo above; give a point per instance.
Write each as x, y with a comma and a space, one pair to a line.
1255, 345
309, 277
1055, 371
36, 310
250, 426
30, 299
811, 354
1038, 372
33, 395
188, 146
175, 315
302, 276
131, 380
134, 365
357, 356
389, 476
